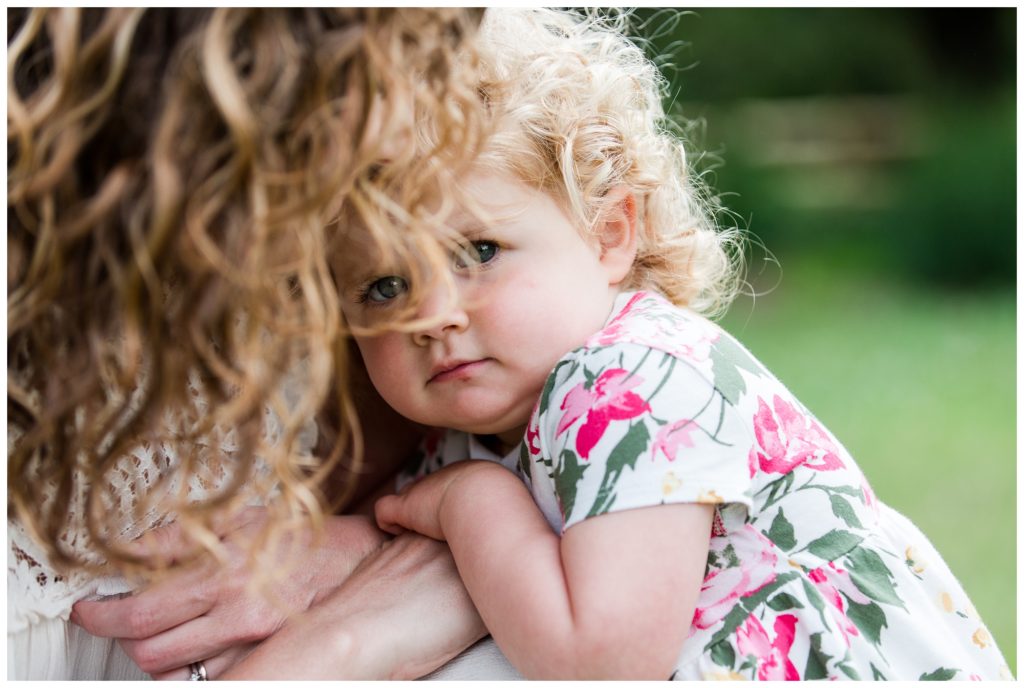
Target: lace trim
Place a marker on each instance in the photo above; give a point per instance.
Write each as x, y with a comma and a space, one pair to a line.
36, 591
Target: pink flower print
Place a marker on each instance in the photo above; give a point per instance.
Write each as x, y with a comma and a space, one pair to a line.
772, 655
840, 580
718, 526
830, 581
722, 588
671, 437
787, 439
869, 495
532, 435
752, 462
609, 399
692, 343
612, 332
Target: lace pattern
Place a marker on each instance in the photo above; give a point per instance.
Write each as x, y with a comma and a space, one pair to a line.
36, 591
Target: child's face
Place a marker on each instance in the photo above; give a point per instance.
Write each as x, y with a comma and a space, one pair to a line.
538, 291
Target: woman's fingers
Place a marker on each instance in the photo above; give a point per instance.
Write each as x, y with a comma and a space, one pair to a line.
238, 623
189, 642
166, 544
215, 666
166, 604
172, 543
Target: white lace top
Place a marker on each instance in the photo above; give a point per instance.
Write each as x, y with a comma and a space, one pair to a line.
41, 643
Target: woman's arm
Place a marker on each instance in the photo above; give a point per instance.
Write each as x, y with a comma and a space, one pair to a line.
401, 614
360, 605
612, 598
206, 610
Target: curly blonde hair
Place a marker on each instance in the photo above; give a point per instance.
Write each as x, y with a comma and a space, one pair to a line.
175, 177
577, 110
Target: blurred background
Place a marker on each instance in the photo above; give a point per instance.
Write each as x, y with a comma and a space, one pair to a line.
872, 152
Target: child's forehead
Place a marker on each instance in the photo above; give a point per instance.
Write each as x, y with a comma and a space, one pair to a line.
482, 200
495, 196
356, 254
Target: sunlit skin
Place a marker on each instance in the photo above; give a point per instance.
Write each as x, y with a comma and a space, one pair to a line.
538, 291
608, 598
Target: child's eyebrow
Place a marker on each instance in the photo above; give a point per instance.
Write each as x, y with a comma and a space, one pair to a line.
470, 224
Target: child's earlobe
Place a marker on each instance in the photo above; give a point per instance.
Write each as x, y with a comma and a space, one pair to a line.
617, 234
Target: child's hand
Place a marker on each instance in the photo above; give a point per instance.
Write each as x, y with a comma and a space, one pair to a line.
418, 506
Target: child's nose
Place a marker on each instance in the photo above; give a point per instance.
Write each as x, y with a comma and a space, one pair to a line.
445, 312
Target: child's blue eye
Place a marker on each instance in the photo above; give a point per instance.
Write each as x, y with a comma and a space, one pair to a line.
385, 289
477, 253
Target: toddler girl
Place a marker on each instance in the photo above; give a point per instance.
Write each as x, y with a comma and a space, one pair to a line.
646, 500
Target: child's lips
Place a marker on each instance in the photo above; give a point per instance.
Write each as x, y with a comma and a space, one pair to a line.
456, 370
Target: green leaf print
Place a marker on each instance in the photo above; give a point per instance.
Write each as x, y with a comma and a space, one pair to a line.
631, 446
849, 671
876, 674
723, 655
842, 489
730, 555
727, 357
833, 544
777, 489
524, 460
842, 509
871, 576
868, 618
549, 385
814, 597
817, 660
939, 675
739, 613
781, 532
784, 601
567, 476
726, 559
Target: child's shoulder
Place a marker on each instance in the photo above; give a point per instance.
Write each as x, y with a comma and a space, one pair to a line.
645, 330
649, 320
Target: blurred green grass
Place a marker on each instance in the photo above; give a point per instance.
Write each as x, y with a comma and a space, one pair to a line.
920, 385
873, 150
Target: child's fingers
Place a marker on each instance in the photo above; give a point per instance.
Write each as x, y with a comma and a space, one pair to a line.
386, 510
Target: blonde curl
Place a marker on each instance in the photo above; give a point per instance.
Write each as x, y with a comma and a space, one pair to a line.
175, 181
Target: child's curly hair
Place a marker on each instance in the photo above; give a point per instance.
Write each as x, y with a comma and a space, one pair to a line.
577, 109
175, 178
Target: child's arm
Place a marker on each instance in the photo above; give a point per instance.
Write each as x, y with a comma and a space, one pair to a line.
612, 598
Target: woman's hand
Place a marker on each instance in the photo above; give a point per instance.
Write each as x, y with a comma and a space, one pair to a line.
401, 614
208, 611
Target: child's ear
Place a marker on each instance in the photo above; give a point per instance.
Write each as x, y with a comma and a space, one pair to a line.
617, 234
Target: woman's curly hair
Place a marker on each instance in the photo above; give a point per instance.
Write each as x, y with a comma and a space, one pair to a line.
577, 110
175, 181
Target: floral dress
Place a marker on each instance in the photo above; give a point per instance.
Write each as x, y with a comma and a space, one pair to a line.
808, 574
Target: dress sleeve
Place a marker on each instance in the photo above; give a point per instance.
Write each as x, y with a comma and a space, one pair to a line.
628, 426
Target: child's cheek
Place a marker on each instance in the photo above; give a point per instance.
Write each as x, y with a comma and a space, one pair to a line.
388, 368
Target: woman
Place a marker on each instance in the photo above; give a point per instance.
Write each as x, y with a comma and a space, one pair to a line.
175, 178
